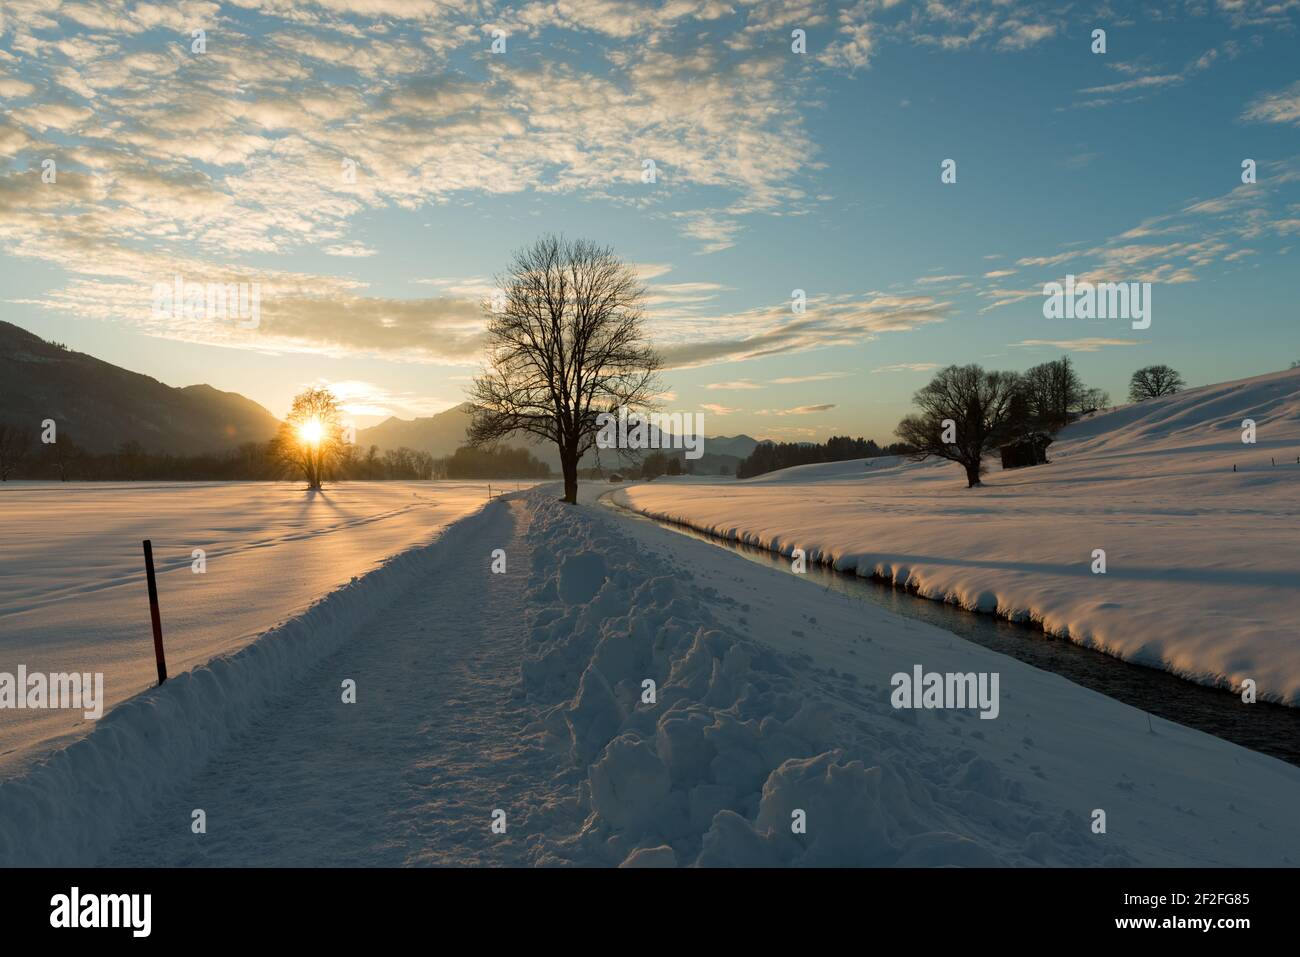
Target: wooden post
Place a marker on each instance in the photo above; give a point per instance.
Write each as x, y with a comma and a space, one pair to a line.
153, 612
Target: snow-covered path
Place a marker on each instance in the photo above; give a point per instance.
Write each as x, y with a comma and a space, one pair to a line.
410, 773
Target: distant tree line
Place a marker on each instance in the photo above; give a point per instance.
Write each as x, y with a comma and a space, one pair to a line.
648, 466
658, 463
770, 456
487, 462
22, 456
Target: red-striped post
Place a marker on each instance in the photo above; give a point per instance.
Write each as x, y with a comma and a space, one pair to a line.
153, 612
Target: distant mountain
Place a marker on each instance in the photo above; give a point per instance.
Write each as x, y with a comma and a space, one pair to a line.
439, 435
99, 406
442, 434
739, 446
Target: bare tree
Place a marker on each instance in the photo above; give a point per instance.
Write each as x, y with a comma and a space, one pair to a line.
1151, 382
966, 412
15, 443
310, 439
1052, 391
1095, 400
565, 342
62, 455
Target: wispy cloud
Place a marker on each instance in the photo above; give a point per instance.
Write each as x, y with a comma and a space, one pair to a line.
815, 377
799, 410
908, 367
775, 330
1078, 345
353, 250
361, 399
1192, 238
1280, 106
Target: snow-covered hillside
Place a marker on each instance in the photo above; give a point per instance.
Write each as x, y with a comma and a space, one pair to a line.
72, 588
1202, 562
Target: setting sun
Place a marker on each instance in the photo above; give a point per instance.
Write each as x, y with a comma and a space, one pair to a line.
311, 431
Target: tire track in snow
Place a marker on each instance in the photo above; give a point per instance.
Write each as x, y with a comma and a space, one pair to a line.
411, 773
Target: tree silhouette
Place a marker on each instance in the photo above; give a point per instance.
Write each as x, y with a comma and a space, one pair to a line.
310, 440
966, 412
1151, 382
565, 342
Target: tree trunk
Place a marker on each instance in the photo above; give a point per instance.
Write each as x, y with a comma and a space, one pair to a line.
569, 465
972, 475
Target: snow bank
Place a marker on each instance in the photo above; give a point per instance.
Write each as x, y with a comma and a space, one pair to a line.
70, 808
1202, 571
713, 762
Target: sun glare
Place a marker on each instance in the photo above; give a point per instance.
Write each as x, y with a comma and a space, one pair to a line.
311, 431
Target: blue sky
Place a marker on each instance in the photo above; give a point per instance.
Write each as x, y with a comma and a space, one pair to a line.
776, 171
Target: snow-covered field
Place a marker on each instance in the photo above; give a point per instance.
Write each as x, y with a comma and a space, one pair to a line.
72, 583
1202, 563
521, 698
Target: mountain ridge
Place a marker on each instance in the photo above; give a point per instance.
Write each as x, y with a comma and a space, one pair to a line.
100, 406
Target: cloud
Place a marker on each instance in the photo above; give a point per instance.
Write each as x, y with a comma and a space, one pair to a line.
749, 384
1079, 345
908, 367
714, 409
815, 377
1143, 81
798, 410
12, 89
717, 232
1280, 106
359, 398
855, 40
352, 250
1193, 238
475, 288
62, 117
676, 297
269, 117
1137, 83
775, 330
1020, 36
